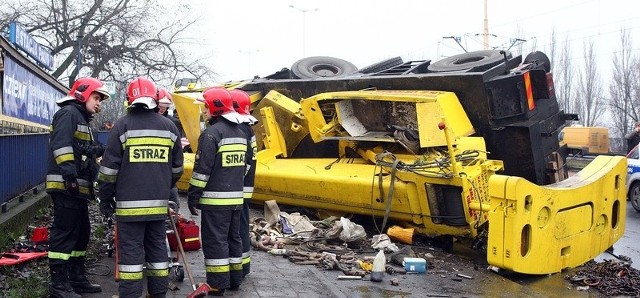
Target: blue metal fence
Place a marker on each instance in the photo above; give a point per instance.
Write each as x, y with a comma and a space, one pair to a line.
101, 136
23, 163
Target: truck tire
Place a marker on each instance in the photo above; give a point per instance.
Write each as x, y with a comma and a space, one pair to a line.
634, 196
321, 67
478, 60
382, 65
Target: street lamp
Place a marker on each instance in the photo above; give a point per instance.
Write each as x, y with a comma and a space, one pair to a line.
248, 58
304, 25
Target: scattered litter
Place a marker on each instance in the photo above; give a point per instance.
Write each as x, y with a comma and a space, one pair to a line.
493, 268
582, 288
349, 277
278, 251
611, 277
395, 282
465, 276
403, 235
382, 241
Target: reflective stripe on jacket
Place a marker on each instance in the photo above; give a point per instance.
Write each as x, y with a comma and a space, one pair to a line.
219, 168
69, 137
142, 162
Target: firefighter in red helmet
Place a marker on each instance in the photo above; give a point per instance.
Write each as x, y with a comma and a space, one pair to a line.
242, 105
216, 188
71, 171
164, 102
142, 162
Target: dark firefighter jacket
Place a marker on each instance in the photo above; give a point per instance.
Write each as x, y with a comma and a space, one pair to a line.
250, 174
142, 162
219, 168
72, 151
176, 122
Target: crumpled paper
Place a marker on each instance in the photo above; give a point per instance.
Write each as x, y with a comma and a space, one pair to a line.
382, 241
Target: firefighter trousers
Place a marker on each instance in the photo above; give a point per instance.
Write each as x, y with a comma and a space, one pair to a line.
139, 244
222, 247
246, 242
70, 231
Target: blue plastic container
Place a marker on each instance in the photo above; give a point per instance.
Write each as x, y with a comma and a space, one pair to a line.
415, 265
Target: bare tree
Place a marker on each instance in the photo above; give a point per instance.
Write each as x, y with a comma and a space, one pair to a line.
121, 39
589, 103
561, 68
624, 106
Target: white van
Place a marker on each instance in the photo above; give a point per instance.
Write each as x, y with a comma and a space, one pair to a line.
633, 177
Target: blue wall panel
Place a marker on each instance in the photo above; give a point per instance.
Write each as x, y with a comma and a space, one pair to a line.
23, 163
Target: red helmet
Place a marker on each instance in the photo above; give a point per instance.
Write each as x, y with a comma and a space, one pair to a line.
241, 101
82, 89
142, 91
242, 105
218, 100
164, 97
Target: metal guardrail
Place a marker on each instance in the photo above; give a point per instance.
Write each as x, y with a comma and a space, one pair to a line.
101, 136
23, 163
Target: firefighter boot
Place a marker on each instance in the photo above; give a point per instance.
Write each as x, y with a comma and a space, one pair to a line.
60, 287
78, 277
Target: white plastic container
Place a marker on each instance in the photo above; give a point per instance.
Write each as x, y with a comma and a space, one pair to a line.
377, 273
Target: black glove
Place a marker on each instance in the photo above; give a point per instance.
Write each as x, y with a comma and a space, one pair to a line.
193, 210
72, 186
96, 149
192, 207
107, 207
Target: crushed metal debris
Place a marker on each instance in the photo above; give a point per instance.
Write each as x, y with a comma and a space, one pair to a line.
611, 277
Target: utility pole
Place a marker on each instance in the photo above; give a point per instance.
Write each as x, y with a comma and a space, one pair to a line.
304, 26
457, 40
485, 32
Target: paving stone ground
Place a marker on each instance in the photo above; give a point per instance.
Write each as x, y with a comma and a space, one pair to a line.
275, 276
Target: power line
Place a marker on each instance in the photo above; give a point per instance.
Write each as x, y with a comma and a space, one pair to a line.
543, 13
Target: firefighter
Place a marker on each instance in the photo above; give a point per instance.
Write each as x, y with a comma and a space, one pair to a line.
164, 102
242, 105
71, 171
216, 189
142, 162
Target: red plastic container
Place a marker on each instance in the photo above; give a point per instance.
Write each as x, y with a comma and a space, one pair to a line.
40, 235
189, 236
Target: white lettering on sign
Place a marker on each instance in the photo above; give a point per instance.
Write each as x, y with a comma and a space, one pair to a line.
14, 87
23, 40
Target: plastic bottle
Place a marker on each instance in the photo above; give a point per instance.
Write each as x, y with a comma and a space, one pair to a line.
378, 266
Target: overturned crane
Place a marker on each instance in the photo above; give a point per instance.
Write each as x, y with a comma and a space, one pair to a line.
463, 147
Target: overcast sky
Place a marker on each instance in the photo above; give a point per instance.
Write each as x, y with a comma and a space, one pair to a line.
242, 38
